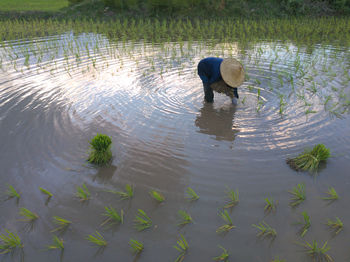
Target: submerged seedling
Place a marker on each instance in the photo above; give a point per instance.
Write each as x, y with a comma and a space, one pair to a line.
57, 243
306, 223
83, 193
182, 247
277, 259
185, 218
100, 153
299, 195
113, 216
191, 195
61, 223
9, 242
157, 196
128, 194
224, 256
142, 221
229, 224
233, 198
310, 159
97, 239
318, 254
136, 246
12, 193
265, 230
270, 205
332, 194
336, 225
28, 215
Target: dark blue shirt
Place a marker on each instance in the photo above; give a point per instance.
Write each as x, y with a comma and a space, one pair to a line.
209, 69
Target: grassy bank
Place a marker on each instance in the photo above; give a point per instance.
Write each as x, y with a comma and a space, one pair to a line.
111, 9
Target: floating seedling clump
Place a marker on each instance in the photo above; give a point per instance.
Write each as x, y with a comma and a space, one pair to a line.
310, 159
100, 153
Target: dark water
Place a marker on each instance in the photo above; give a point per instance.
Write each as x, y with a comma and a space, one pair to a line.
149, 99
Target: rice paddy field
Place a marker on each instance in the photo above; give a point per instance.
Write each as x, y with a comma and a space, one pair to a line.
188, 181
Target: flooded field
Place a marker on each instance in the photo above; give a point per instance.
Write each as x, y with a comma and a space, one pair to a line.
57, 92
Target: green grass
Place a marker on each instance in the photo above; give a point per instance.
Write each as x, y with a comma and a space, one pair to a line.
142, 221
113, 217
318, 254
28, 215
229, 224
157, 196
61, 223
306, 223
127, 194
83, 193
233, 198
310, 159
100, 153
136, 246
299, 195
185, 218
9, 242
331, 194
191, 195
224, 255
336, 225
97, 239
182, 247
32, 5
12, 193
265, 230
57, 243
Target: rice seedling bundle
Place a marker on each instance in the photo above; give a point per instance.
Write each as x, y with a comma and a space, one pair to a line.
310, 159
100, 153
317, 253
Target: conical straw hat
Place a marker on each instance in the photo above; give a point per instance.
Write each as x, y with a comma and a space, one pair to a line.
232, 72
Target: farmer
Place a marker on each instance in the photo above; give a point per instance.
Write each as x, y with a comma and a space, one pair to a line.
222, 76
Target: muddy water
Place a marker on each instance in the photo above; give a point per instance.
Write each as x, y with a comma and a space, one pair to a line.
149, 99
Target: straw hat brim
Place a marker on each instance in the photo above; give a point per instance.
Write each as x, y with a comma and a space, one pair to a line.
232, 72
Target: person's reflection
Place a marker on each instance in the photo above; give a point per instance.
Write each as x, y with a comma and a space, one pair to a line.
217, 122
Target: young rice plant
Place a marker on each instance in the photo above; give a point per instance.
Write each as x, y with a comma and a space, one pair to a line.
142, 221
136, 246
185, 218
61, 223
83, 193
299, 195
9, 242
191, 195
233, 198
223, 257
331, 194
97, 239
336, 225
113, 217
28, 215
182, 247
157, 196
57, 243
306, 223
265, 230
228, 226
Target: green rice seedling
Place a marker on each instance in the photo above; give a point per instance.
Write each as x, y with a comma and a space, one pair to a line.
182, 247
191, 195
299, 195
224, 256
277, 259
157, 196
317, 253
310, 160
136, 246
83, 193
100, 153
185, 218
57, 243
306, 223
97, 239
28, 215
332, 194
128, 194
233, 198
113, 216
9, 242
270, 205
12, 193
142, 221
229, 224
61, 223
265, 230
46, 192
336, 225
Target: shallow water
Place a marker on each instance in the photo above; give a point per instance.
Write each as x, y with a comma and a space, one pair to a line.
56, 93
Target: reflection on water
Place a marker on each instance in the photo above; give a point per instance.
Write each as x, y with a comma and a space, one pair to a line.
149, 99
217, 122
